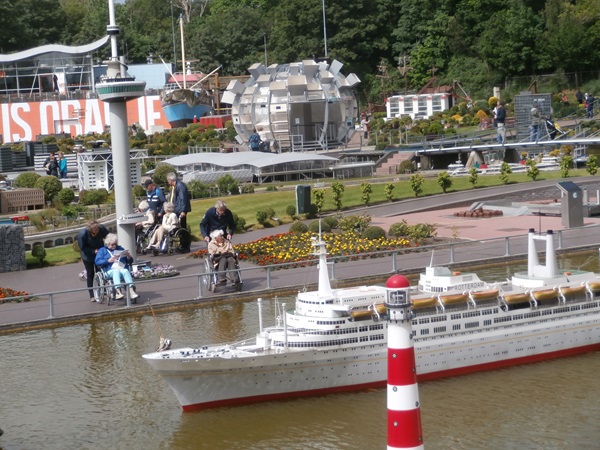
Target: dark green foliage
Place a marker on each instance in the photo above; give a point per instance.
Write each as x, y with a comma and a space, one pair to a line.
139, 191
373, 232
240, 223
50, 185
39, 252
271, 188
298, 227
270, 212
160, 174
355, 223
198, 189
331, 221
72, 211
228, 185
399, 229
314, 226
261, 216
65, 196
93, 197
290, 210
247, 188
26, 179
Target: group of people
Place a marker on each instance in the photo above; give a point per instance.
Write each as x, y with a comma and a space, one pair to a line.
56, 167
100, 249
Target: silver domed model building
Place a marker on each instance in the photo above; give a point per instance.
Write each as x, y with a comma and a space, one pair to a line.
305, 105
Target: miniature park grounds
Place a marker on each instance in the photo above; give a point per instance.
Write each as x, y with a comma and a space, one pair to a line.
59, 297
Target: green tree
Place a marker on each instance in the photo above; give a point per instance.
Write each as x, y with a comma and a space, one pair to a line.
532, 169
39, 252
566, 163
26, 179
505, 170
198, 189
416, 181
93, 197
319, 198
66, 196
228, 185
160, 174
50, 185
592, 165
388, 191
473, 176
444, 180
337, 191
366, 190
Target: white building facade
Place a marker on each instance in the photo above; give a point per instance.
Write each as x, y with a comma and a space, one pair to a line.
417, 106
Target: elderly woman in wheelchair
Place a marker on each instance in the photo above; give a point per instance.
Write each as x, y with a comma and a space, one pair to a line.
170, 222
223, 256
113, 260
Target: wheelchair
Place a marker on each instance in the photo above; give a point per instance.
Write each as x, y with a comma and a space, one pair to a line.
142, 238
177, 240
212, 267
103, 287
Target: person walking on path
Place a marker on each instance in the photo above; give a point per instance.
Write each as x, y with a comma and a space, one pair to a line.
90, 240
218, 217
156, 198
51, 165
180, 197
62, 165
500, 119
535, 122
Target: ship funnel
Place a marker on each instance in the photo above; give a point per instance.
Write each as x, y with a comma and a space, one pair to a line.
534, 268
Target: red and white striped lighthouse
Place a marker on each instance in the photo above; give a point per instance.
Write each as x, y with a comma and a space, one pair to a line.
404, 413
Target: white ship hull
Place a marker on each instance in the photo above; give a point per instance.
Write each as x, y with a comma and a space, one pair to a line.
336, 340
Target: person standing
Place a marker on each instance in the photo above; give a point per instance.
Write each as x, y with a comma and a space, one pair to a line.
156, 198
90, 240
500, 122
535, 122
589, 112
254, 141
51, 165
364, 126
62, 165
579, 97
219, 217
180, 197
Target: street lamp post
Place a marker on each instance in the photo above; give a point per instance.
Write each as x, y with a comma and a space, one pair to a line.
324, 29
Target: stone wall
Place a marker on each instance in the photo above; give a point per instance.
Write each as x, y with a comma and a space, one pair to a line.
12, 248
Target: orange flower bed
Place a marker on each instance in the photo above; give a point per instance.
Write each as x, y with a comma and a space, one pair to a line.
6, 293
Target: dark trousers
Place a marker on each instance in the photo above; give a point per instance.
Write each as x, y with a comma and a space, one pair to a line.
228, 264
90, 272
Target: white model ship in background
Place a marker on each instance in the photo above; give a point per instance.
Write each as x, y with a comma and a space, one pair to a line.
335, 339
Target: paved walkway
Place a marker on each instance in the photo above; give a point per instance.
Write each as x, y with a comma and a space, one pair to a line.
184, 289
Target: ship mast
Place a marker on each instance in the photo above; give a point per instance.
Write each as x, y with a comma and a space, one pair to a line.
184, 69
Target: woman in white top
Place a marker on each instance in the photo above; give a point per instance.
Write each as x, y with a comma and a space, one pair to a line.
170, 222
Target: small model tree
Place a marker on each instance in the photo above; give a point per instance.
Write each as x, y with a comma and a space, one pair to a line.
416, 183
337, 191
473, 176
444, 181
592, 165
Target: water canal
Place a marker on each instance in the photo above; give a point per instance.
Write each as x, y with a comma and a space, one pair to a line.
86, 387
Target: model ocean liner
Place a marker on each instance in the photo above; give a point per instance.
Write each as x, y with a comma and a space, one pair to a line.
336, 339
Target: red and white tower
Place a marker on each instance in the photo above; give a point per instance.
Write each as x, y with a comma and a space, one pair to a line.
404, 413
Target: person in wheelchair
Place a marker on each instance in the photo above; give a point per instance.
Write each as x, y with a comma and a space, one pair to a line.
149, 219
170, 222
222, 253
112, 259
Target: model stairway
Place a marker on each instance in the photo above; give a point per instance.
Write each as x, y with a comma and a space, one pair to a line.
390, 163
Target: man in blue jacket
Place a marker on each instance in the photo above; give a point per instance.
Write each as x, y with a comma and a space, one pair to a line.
156, 198
180, 197
217, 218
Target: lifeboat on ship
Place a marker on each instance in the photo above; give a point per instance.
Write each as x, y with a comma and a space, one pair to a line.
569, 292
378, 310
545, 295
423, 303
454, 299
480, 296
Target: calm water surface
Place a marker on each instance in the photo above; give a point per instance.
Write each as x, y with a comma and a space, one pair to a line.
87, 387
